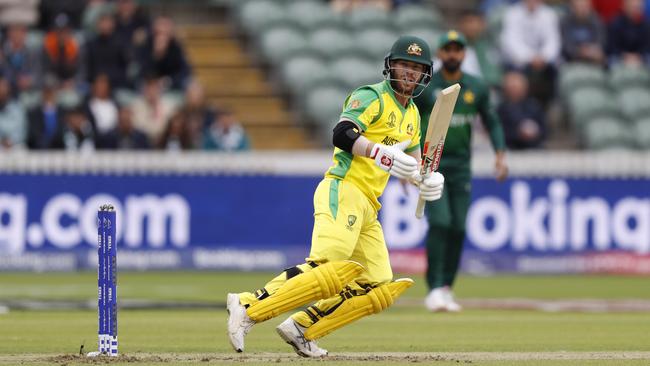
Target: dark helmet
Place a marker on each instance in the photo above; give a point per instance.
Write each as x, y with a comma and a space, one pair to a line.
410, 48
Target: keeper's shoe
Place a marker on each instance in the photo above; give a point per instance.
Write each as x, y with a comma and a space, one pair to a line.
239, 323
294, 334
436, 300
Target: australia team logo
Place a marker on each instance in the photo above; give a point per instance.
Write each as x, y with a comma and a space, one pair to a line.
414, 49
391, 120
351, 220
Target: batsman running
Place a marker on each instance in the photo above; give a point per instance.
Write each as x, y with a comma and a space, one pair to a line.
348, 273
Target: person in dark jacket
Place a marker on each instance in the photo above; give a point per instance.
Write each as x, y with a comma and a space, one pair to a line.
522, 117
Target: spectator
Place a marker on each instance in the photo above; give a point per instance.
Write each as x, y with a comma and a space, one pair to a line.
125, 136
46, 120
61, 51
132, 24
100, 106
481, 58
176, 136
51, 9
226, 134
77, 134
530, 41
628, 37
608, 9
163, 55
197, 113
522, 117
13, 124
105, 54
152, 111
583, 34
22, 64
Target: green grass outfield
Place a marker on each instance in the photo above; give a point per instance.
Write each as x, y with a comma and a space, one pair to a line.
405, 334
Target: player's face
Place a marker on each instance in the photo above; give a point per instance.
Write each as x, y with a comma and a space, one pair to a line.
451, 56
406, 75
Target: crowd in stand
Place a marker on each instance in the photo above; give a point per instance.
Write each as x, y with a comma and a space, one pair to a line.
99, 74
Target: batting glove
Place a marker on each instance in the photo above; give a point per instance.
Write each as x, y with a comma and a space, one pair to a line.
394, 160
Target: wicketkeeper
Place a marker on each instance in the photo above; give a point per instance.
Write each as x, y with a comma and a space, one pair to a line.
348, 273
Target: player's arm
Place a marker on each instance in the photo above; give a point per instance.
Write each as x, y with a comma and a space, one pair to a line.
493, 126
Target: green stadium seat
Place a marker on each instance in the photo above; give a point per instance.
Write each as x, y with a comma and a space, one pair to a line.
410, 16
369, 16
634, 102
333, 41
255, 15
281, 42
29, 99
324, 105
304, 71
125, 97
641, 133
34, 40
311, 14
587, 103
607, 132
68, 98
354, 71
376, 42
574, 76
622, 77
429, 34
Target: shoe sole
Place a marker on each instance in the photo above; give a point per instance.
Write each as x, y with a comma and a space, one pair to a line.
228, 301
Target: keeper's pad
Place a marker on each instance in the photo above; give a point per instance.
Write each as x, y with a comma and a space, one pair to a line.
373, 302
324, 281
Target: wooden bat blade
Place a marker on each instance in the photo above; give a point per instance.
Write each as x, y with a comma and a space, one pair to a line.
434, 142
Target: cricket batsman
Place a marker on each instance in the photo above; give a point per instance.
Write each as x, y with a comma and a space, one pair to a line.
347, 275
446, 216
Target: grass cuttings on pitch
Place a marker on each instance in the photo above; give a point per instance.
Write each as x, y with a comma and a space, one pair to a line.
403, 334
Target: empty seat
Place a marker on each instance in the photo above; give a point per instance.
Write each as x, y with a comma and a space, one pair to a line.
311, 14
281, 42
607, 132
324, 105
377, 41
587, 103
409, 16
634, 102
354, 71
303, 71
255, 15
332, 41
622, 77
429, 34
369, 16
574, 76
641, 131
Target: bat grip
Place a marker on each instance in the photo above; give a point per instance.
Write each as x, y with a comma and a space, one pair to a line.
419, 211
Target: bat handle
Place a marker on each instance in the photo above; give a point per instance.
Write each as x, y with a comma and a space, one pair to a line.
419, 211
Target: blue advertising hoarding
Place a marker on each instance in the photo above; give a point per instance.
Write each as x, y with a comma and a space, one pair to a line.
264, 222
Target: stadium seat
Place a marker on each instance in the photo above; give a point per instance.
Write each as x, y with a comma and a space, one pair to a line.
607, 132
255, 15
354, 71
641, 133
68, 98
622, 77
634, 102
34, 40
311, 14
587, 103
281, 42
324, 105
574, 76
30, 99
303, 71
429, 34
410, 16
124, 97
369, 16
333, 41
377, 41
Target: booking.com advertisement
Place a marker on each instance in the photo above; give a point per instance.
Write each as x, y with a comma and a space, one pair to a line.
212, 222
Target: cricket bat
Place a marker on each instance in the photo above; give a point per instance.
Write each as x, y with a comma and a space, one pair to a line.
436, 132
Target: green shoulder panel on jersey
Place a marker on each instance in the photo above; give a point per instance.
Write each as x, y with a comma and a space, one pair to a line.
364, 106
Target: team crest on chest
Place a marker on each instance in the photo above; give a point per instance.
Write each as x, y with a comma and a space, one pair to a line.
351, 220
414, 49
468, 97
409, 129
391, 120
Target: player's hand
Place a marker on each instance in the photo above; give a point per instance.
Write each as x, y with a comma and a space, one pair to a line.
431, 186
394, 160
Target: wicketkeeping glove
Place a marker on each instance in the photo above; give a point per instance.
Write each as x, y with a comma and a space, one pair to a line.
394, 160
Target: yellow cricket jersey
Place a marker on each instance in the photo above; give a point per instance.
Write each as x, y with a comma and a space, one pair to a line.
382, 119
